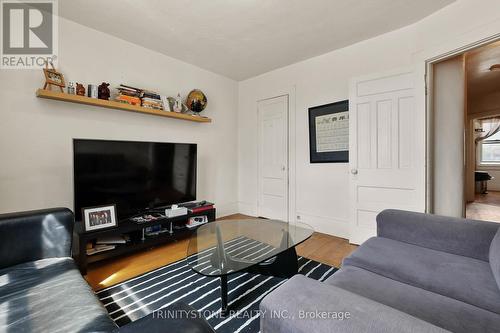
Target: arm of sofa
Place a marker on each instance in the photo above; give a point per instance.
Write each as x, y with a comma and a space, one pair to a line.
33, 235
463, 237
179, 317
303, 305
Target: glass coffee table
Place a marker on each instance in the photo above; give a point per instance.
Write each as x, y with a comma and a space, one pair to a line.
260, 246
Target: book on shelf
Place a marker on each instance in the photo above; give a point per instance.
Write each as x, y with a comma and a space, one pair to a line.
152, 104
150, 100
137, 96
128, 99
129, 91
100, 248
110, 240
150, 94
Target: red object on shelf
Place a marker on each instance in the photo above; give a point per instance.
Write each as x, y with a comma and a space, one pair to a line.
202, 209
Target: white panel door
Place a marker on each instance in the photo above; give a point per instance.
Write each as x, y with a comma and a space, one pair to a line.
273, 158
386, 150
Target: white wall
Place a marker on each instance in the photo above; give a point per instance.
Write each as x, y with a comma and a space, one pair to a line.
36, 134
319, 192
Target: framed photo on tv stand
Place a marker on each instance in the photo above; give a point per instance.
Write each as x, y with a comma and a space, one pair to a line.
329, 133
99, 217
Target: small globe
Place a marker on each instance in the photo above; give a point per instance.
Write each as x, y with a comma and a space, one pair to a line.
196, 100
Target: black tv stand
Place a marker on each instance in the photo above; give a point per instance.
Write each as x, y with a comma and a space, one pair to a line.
135, 231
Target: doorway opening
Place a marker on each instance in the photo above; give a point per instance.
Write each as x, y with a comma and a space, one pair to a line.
465, 134
483, 199
482, 191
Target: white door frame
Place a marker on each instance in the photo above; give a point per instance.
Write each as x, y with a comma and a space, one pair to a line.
428, 89
291, 130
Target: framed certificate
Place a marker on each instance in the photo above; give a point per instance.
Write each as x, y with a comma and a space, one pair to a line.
329, 133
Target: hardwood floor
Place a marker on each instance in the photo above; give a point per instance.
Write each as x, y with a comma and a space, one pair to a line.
485, 207
491, 198
326, 249
320, 247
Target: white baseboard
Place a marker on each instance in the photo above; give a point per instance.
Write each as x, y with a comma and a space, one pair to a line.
326, 224
226, 209
247, 208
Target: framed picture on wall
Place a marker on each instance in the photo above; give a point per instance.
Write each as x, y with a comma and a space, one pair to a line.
99, 217
329, 133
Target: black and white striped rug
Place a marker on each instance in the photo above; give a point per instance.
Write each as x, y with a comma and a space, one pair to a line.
139, 296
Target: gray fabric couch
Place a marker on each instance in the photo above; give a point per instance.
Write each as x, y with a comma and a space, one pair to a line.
422, 273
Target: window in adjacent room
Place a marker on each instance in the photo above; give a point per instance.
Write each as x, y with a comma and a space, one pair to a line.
489, 141
490, 150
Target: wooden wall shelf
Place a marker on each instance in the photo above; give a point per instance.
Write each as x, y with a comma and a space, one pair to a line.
58, 96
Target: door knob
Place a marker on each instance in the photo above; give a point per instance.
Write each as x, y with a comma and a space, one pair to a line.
354, 171
283, 168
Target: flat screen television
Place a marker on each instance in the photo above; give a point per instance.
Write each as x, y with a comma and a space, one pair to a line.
136, 176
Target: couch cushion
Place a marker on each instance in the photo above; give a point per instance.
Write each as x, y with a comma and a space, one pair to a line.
304, 305
463, 278
459, 236
49, 295
495, 257
436, 309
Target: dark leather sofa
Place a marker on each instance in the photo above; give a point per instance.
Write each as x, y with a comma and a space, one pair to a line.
41, 289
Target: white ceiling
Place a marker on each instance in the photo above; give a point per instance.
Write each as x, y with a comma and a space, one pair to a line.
244, 38
480, 80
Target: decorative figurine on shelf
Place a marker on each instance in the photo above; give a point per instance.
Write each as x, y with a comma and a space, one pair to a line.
173, 101
103, 91
178, 104
71, 88
196, 101
166, 103
92, 91
53, 77
80, 89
